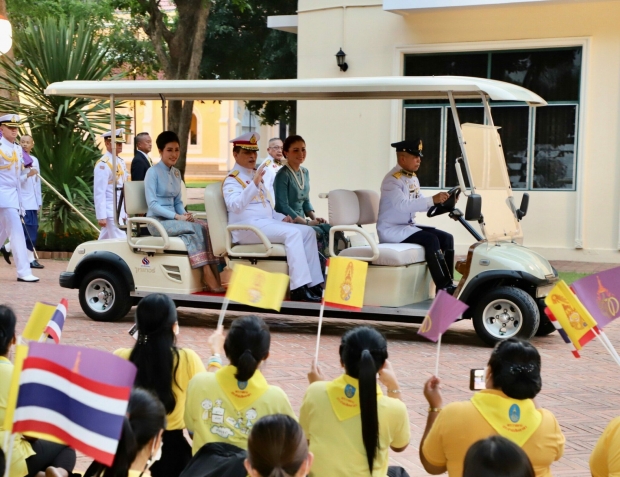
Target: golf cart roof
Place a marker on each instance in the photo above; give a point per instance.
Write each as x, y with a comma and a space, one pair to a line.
389, 87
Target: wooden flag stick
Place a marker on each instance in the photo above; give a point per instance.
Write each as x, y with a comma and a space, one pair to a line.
437, 357
220, 321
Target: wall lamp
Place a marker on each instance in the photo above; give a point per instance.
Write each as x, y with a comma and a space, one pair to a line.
340, 57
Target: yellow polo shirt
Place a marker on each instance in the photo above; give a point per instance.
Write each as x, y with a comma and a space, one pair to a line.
21, 448
190, 364
337, 445
460, 424
605, 458
212, 416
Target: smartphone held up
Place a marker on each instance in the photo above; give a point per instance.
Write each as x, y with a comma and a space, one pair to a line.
476, 379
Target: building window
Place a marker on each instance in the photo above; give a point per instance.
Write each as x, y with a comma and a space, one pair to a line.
539, 143
249, 122
193, 131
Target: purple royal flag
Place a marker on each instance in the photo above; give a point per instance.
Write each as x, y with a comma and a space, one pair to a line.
27, 159
600, 294
444, 311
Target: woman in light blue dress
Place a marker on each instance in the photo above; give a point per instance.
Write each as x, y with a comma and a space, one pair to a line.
163, 187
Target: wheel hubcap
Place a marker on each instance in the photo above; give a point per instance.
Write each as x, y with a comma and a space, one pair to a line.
100, 295
502, 318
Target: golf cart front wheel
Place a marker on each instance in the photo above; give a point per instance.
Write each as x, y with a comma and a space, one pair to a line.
104, 296
506, 312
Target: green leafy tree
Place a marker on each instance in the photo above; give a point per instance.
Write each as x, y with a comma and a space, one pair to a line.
238, 45
64, 129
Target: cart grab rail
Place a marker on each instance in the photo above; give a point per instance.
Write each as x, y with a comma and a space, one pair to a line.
263, 238
149, 221
357, 230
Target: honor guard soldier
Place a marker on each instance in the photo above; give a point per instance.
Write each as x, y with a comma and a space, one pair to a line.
249, 202
11, 204
107, 182
273, 163
401, 199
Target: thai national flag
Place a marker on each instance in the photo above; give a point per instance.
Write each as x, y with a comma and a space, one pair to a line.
74, 395
54, 327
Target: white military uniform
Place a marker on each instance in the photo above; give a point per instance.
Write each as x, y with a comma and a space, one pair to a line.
250, 205
401, 199
271, 169
105, 181
31, 188
12, 206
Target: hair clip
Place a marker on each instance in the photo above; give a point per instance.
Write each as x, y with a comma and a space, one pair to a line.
522, 368
143, 339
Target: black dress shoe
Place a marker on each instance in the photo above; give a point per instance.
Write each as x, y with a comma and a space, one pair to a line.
35, 264
304, 294
317, 290
5, 254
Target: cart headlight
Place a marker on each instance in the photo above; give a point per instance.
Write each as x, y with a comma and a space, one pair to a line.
543, 291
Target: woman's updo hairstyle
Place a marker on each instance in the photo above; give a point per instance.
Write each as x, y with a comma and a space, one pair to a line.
7, 328
165, 138
363, 351
247, 344
515, 368
277, 446
289, 141
497, 456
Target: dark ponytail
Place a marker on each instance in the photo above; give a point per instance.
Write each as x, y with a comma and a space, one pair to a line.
7, 328
363, 351
246, 345
146, 417
155, 354
277, 446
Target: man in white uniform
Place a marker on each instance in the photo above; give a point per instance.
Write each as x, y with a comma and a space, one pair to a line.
249, 202
273, 163
108, 182
11, 204
401, 199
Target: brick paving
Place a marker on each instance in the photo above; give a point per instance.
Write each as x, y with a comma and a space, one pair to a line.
584, 394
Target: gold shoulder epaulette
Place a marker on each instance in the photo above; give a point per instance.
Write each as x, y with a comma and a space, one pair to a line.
267, 162
233, 174
398, 174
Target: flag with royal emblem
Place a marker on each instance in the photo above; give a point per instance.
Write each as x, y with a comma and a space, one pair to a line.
444, 311
72, 395
346, 283
255, 287
600, 294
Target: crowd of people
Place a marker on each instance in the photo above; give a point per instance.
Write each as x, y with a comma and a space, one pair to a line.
241, 425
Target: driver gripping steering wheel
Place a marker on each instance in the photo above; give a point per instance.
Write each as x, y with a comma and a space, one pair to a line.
401, 199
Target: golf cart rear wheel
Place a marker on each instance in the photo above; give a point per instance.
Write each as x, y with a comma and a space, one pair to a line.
104, 296
506, 312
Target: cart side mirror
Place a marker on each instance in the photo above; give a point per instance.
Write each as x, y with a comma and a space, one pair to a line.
525, 202
473, 210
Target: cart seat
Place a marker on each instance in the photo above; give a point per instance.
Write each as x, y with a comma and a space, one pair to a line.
349, 210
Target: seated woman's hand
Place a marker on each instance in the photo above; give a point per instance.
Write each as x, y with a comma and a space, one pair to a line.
315, 373
216, 341
181, 217
321, 220
432, 392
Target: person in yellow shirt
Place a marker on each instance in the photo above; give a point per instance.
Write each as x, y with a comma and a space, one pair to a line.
223, 406
140, 445
278, 447
32, 457
350, 424
497, 456
605, 458
166, 371
505, 407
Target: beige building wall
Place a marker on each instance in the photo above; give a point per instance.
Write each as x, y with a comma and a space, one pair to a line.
348, 141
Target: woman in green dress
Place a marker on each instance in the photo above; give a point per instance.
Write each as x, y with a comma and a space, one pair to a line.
292, 189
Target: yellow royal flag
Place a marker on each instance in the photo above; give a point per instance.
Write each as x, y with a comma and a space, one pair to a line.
346, 283
21, 351
39, 318
255, 287
576, 321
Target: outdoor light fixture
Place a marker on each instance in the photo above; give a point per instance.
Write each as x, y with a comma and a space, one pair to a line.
340, 57
6, 35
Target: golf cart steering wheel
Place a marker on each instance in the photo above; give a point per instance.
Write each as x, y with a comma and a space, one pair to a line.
448, 205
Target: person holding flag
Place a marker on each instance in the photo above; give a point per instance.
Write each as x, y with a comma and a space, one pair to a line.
28, 456
249, 202
350, 417
506, 407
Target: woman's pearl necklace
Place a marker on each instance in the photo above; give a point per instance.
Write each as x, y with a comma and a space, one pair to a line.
301, 184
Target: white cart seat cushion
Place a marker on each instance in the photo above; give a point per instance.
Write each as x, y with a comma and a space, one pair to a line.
390, 254
278, 249
176, 243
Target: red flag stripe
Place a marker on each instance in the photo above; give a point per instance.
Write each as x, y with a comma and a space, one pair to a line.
116, 392
46, 428
342, 307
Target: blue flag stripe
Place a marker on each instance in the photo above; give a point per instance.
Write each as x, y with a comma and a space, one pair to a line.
101, 422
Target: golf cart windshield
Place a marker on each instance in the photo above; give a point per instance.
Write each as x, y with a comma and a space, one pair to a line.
487, 166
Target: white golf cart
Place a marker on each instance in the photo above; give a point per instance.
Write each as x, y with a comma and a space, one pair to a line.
503, 282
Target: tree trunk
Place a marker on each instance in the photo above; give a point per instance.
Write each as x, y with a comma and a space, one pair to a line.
182, 60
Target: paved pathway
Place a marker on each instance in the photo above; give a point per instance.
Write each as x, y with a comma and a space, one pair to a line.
583, 393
